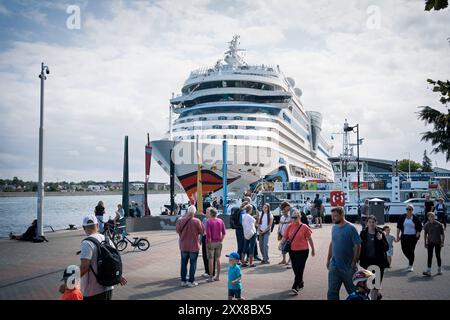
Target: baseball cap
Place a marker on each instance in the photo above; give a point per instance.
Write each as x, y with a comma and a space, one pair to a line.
89, 220
234, 255
68, 272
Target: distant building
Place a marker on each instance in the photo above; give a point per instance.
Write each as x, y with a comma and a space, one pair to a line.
96, 188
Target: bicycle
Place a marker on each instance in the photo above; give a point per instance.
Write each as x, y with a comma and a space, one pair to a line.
140, 243
112, 232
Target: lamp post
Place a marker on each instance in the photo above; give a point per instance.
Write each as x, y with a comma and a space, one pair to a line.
40, 199
350, 129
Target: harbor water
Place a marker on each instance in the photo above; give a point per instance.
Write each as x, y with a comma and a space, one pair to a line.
17, 213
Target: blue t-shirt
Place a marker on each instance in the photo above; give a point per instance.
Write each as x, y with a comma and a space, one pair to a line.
343, 241
234, 272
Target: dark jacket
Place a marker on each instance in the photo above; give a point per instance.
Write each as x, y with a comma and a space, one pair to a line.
416, 221
381, 247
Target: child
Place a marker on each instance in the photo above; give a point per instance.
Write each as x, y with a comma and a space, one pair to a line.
234, 277
360, 281
69, 294
390, 239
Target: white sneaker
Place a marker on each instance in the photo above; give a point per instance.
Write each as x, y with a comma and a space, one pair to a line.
410, 269
192, 284
205, 275
184, 283
439, 271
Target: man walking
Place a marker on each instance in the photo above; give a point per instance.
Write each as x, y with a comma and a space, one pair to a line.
189, 229
343, 254
90, 287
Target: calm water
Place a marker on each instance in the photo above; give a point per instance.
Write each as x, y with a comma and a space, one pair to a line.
17, 213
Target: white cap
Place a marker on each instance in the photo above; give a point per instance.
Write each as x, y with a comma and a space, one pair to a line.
89, 220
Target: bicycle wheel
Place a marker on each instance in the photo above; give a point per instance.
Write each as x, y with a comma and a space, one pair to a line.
121, 245
143, 244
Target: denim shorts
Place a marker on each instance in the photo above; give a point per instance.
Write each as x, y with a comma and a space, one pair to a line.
235, 293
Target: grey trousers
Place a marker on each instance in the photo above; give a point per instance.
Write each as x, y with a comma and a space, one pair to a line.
264, 245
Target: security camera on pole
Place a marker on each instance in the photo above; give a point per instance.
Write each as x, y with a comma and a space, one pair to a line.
40, 199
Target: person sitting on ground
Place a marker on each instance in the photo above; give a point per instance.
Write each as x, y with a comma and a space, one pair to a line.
70, 291
360, 279
29, 235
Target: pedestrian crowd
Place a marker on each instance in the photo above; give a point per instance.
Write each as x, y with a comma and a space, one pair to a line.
371, 249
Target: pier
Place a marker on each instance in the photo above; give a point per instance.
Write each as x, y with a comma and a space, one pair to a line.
33, 271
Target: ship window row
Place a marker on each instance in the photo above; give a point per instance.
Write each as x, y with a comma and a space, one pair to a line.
306, 173
230, 84
225, 136
225, 118
224, 127
230, 110
236, 97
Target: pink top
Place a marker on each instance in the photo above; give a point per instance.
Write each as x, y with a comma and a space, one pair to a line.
191, 228
215, 230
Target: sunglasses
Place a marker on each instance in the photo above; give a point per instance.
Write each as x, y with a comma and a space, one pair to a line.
294, 217
409, 209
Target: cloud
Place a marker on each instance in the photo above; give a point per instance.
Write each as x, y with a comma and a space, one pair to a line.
114, 77
4, 11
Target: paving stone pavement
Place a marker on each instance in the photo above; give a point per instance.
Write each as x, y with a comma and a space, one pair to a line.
33, 271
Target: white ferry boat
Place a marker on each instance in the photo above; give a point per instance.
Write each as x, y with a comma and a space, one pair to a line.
255, 108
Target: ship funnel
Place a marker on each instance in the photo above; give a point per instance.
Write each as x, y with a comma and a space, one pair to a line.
315, 119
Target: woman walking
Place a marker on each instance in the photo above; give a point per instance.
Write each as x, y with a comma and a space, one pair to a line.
441, 212
434, 237
285, 220
99, 212
374, 247
298, 235
410, 227
249, 226
264, 230
215, 232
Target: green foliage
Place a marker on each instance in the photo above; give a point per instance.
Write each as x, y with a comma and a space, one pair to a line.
436, 4
403, 165
427, 164
440, 135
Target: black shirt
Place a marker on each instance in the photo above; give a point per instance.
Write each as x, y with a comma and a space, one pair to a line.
428, 205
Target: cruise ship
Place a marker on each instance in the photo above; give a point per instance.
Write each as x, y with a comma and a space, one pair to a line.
270, 134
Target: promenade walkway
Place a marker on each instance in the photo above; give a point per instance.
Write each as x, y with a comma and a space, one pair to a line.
33, 271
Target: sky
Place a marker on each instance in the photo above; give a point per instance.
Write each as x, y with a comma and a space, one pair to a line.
365, 61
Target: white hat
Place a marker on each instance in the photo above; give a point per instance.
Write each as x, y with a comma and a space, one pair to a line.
90, 220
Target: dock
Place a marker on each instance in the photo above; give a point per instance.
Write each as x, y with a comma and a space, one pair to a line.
33, 271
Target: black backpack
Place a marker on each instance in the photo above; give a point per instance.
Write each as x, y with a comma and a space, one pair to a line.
235, 218
109, 263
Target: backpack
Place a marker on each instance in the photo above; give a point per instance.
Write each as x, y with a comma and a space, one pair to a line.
235, 219
109, 263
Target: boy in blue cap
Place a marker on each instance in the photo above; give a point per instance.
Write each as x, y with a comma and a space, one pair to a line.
234, 277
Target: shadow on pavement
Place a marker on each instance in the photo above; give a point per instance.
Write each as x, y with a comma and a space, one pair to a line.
421, 278
263, 269
389, 273
282, 295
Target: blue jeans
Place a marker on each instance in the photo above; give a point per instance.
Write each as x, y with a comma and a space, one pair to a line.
190, 257
240, 241
249, 246
337, 277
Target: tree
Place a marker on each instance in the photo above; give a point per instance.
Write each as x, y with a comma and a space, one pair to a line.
440, 136
427, 165
403, 165
436, 4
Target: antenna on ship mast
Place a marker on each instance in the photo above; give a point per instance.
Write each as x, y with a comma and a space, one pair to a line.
232, 56
170, 118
